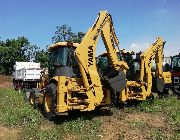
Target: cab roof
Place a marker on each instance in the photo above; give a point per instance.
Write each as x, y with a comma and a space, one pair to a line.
62, 44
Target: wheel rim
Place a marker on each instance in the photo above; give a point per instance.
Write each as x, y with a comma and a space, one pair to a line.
47, 103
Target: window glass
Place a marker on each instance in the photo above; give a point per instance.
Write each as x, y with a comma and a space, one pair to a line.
119, 56
58, 57
176, 62
71, 58
103, 64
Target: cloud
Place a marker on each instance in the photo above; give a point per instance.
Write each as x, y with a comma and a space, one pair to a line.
171, 51
168, 49
137, 47
162, 11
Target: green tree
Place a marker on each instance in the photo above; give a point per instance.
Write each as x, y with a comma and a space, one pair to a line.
42, 57
13, 50
64, 33
79, 37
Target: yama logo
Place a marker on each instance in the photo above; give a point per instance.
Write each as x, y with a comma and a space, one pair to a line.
90, 56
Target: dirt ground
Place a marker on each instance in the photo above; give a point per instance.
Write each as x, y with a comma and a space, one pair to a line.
5, 81
112, 128
7, 133
131, 126
119, 125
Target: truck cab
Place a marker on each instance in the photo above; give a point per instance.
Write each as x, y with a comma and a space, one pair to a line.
175, 71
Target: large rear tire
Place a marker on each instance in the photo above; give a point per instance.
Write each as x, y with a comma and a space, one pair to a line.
49, 101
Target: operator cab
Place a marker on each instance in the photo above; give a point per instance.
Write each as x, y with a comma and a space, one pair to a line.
104, 65
62, 61
106, 69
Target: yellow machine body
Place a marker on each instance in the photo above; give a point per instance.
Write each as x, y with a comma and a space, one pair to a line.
87, 92
144, 84
66, 86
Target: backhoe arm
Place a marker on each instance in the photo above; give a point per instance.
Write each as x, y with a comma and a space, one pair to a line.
86, 51
155, 51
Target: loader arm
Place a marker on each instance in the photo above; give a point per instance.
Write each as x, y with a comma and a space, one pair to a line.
85, 53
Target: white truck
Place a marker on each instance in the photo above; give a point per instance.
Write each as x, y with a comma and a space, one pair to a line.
26, 75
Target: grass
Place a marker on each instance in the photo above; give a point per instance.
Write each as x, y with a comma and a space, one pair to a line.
15, 113
13, 110
169, 108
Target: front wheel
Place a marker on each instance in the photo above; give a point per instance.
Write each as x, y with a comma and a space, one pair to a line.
49, 101
33, 100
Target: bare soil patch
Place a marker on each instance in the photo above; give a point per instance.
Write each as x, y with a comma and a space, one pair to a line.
5, 81
153, 120
132, 126
9, 133
46, 126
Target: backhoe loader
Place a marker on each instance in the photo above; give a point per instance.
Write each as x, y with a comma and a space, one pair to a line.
73, 79
139, 84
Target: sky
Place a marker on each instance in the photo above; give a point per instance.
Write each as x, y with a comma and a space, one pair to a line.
137, 22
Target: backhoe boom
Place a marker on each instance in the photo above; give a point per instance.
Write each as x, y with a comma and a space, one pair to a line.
85, 53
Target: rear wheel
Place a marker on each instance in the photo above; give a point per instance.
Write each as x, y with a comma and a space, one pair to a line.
49, 101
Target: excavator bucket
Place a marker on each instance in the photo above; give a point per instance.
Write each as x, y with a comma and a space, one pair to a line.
118, 83
160, 84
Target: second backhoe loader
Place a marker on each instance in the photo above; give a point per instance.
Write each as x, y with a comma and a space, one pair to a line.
141, 82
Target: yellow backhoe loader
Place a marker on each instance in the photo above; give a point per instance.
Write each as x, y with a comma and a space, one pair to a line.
73, 79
